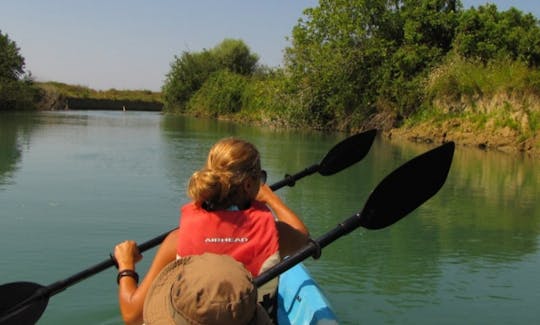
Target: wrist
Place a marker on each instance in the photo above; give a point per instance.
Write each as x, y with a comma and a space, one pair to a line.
127, 273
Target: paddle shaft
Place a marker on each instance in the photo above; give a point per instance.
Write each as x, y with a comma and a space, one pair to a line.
62, 284
313, 248
290, 180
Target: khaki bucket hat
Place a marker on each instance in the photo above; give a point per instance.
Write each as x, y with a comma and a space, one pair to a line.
203, 289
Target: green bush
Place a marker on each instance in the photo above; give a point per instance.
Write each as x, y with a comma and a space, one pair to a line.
235, 56
487, 34
469, 79
16, 86
221, 94
190, 71
77, 91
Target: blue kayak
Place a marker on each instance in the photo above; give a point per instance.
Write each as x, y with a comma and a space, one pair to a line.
301, 300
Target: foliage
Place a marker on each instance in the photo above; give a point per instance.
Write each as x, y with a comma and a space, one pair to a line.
235, 56
268, 98
502, 94
351, 58
187, 75
190, 71
487, 34
332, 59
461, 79
427, 33
221, 94
349, 55
16, 87
11, 62
77, 91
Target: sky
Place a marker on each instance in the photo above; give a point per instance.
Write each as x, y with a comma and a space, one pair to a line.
130, 44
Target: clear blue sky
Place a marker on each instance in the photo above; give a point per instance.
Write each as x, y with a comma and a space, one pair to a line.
129, 44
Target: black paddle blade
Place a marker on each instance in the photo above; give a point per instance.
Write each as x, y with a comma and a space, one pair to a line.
407, 187
347, 153
12, 294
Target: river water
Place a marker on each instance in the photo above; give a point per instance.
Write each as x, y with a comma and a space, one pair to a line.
74, 183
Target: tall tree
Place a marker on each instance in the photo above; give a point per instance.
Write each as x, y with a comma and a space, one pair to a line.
336, 54
16, 89
235, 56
485, 33
428, 31
11, 62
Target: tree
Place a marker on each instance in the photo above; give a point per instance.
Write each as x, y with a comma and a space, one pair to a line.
428, 31
11, 62
16, 89
221, 94
335, 58
191, 70
486, 34
187, 75
235, 56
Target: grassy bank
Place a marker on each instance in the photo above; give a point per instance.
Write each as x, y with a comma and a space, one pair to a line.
494, 106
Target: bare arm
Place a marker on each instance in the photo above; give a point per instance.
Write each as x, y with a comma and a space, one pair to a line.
130, 296
290, 239
282, 211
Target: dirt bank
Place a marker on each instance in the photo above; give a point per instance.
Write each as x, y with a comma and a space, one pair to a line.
504, 139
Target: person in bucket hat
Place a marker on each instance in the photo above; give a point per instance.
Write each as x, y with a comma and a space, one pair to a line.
204, 289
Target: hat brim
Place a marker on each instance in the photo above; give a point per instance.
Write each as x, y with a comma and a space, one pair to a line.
157, 301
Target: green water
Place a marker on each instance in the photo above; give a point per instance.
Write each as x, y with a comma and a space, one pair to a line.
72, 184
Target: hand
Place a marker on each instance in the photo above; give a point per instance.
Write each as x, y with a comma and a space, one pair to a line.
265, 194
281, 210
127, 254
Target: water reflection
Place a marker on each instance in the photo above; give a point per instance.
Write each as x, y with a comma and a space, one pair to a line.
15, 132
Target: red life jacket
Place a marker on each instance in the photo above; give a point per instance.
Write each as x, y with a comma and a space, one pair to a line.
250, 236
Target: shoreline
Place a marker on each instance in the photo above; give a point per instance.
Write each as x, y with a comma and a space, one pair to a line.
502, 140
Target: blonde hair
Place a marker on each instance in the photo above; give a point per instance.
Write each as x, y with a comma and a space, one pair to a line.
230, 161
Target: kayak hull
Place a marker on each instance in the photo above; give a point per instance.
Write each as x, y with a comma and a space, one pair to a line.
301, 300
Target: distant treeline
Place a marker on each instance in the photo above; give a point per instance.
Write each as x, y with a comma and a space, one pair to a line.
18, 90
56, 96
75, 91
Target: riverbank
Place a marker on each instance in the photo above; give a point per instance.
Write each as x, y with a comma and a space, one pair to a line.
464, 134
516, 134
481, 123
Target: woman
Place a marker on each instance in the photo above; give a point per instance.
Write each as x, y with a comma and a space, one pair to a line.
229, 215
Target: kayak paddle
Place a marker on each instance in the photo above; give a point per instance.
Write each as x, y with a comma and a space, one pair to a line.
25, 302
398, 194
342, 155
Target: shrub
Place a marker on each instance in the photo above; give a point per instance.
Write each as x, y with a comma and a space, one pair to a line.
221, 94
